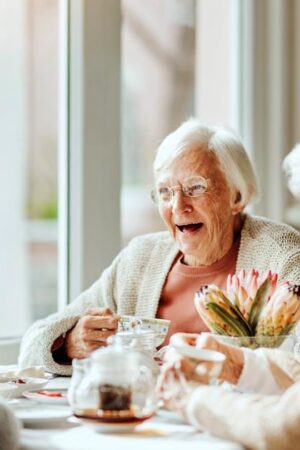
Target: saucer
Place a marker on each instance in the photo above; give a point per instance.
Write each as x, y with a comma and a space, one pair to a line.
110, 427
49, 396
21, 385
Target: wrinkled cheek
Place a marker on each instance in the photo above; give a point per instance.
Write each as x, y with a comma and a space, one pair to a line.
167, 219
213, 223
164, 215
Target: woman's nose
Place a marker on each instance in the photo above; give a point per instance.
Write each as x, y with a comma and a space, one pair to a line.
180, 202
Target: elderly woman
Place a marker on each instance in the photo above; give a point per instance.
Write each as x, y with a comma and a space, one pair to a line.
203, 182
273, 421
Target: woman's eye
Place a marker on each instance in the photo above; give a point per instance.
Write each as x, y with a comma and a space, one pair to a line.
163, 191
195, 189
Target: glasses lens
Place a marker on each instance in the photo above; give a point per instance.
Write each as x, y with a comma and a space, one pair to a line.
153, 195
195, 187
164, 194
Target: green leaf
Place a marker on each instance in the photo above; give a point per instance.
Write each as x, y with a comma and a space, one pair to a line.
217, 329
235, 311
259, 302
235, 324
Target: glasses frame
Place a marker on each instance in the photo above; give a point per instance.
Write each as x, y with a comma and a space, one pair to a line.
183, 188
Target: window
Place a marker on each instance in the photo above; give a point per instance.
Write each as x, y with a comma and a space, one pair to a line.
158, 65
28, 161
177, 58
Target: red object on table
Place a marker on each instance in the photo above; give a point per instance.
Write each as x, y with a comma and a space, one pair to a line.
50, 394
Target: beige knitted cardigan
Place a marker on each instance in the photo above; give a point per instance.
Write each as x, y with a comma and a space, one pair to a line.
133, 283
256, 421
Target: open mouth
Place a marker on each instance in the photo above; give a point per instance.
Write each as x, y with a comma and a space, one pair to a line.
190, 227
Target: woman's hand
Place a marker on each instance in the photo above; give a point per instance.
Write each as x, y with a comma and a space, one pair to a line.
90, 332
172, 386
234, 362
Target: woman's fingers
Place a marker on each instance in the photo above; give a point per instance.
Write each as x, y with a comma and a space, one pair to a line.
179, 339
95, 336
209, 343
91, 332
95, 330
100, 322
99, 311
234, 362
194, 370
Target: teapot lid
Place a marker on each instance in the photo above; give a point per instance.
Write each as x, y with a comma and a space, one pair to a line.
139, 333
115, 355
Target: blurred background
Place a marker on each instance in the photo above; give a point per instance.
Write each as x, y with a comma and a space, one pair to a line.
233, 62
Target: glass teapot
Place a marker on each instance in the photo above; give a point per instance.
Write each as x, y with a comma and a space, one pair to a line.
118, 385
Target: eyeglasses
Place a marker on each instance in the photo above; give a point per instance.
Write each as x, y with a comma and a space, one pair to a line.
193, 187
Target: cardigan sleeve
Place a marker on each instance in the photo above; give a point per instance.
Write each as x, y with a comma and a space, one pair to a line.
290, 267
130, 285
253, 420
38, 340
284, 366
257, 375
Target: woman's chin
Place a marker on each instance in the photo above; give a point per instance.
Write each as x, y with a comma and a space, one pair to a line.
191, 252
191, 242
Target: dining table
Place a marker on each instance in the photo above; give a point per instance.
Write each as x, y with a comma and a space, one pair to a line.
164, 431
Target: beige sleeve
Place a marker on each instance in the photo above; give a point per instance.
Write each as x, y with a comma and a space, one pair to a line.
284, 367
255, 421
36, 346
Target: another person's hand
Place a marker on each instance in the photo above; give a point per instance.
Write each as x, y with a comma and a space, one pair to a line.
90, 332
234, 362
172, 385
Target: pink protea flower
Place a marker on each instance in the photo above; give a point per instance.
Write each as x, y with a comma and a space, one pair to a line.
282, 311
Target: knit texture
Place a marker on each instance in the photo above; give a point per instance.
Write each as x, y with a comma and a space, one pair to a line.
133, 283
257, 422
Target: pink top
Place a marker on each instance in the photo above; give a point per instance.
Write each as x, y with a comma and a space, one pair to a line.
177, 300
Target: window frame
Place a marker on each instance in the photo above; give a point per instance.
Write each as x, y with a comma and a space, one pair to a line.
89, 161
90, 147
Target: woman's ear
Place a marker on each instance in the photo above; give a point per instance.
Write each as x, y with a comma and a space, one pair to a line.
237, 205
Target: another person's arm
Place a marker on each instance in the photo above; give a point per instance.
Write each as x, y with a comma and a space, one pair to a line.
261, 371
255, 421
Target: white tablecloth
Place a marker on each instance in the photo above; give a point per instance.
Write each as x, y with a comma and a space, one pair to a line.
165, 431
156, 433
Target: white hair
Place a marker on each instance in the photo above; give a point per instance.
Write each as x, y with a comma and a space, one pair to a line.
291, 167
227, 147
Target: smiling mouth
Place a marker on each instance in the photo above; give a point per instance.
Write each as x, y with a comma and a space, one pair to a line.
190, 227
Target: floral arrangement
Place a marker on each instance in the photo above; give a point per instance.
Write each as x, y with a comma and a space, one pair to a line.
250, 306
